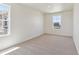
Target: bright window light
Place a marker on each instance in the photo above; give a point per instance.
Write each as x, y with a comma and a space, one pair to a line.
56, 20
9, 50
4, 20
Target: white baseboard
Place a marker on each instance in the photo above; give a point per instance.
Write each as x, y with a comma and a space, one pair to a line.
59, 35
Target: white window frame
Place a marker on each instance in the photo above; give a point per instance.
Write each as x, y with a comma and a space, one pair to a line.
53, 22
9, 20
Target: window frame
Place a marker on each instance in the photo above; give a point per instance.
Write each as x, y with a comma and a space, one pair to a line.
53, 22
9, 20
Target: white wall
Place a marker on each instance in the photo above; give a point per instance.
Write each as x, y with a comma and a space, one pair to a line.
76, 26
25, 24
66, 20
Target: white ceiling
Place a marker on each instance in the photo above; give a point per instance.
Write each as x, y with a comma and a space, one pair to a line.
51, 7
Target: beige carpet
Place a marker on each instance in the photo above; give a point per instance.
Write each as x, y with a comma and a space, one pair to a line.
47, 45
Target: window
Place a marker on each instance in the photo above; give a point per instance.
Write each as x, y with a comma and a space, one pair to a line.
56, 20
4, 19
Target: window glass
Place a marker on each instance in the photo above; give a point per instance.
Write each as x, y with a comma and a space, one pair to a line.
56, 22
4, 19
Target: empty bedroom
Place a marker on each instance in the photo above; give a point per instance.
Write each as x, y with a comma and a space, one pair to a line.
39, 29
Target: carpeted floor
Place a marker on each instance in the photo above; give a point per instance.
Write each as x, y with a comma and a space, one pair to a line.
47, 45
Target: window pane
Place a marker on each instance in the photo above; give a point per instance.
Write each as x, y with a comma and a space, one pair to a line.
4, 19
57, 22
